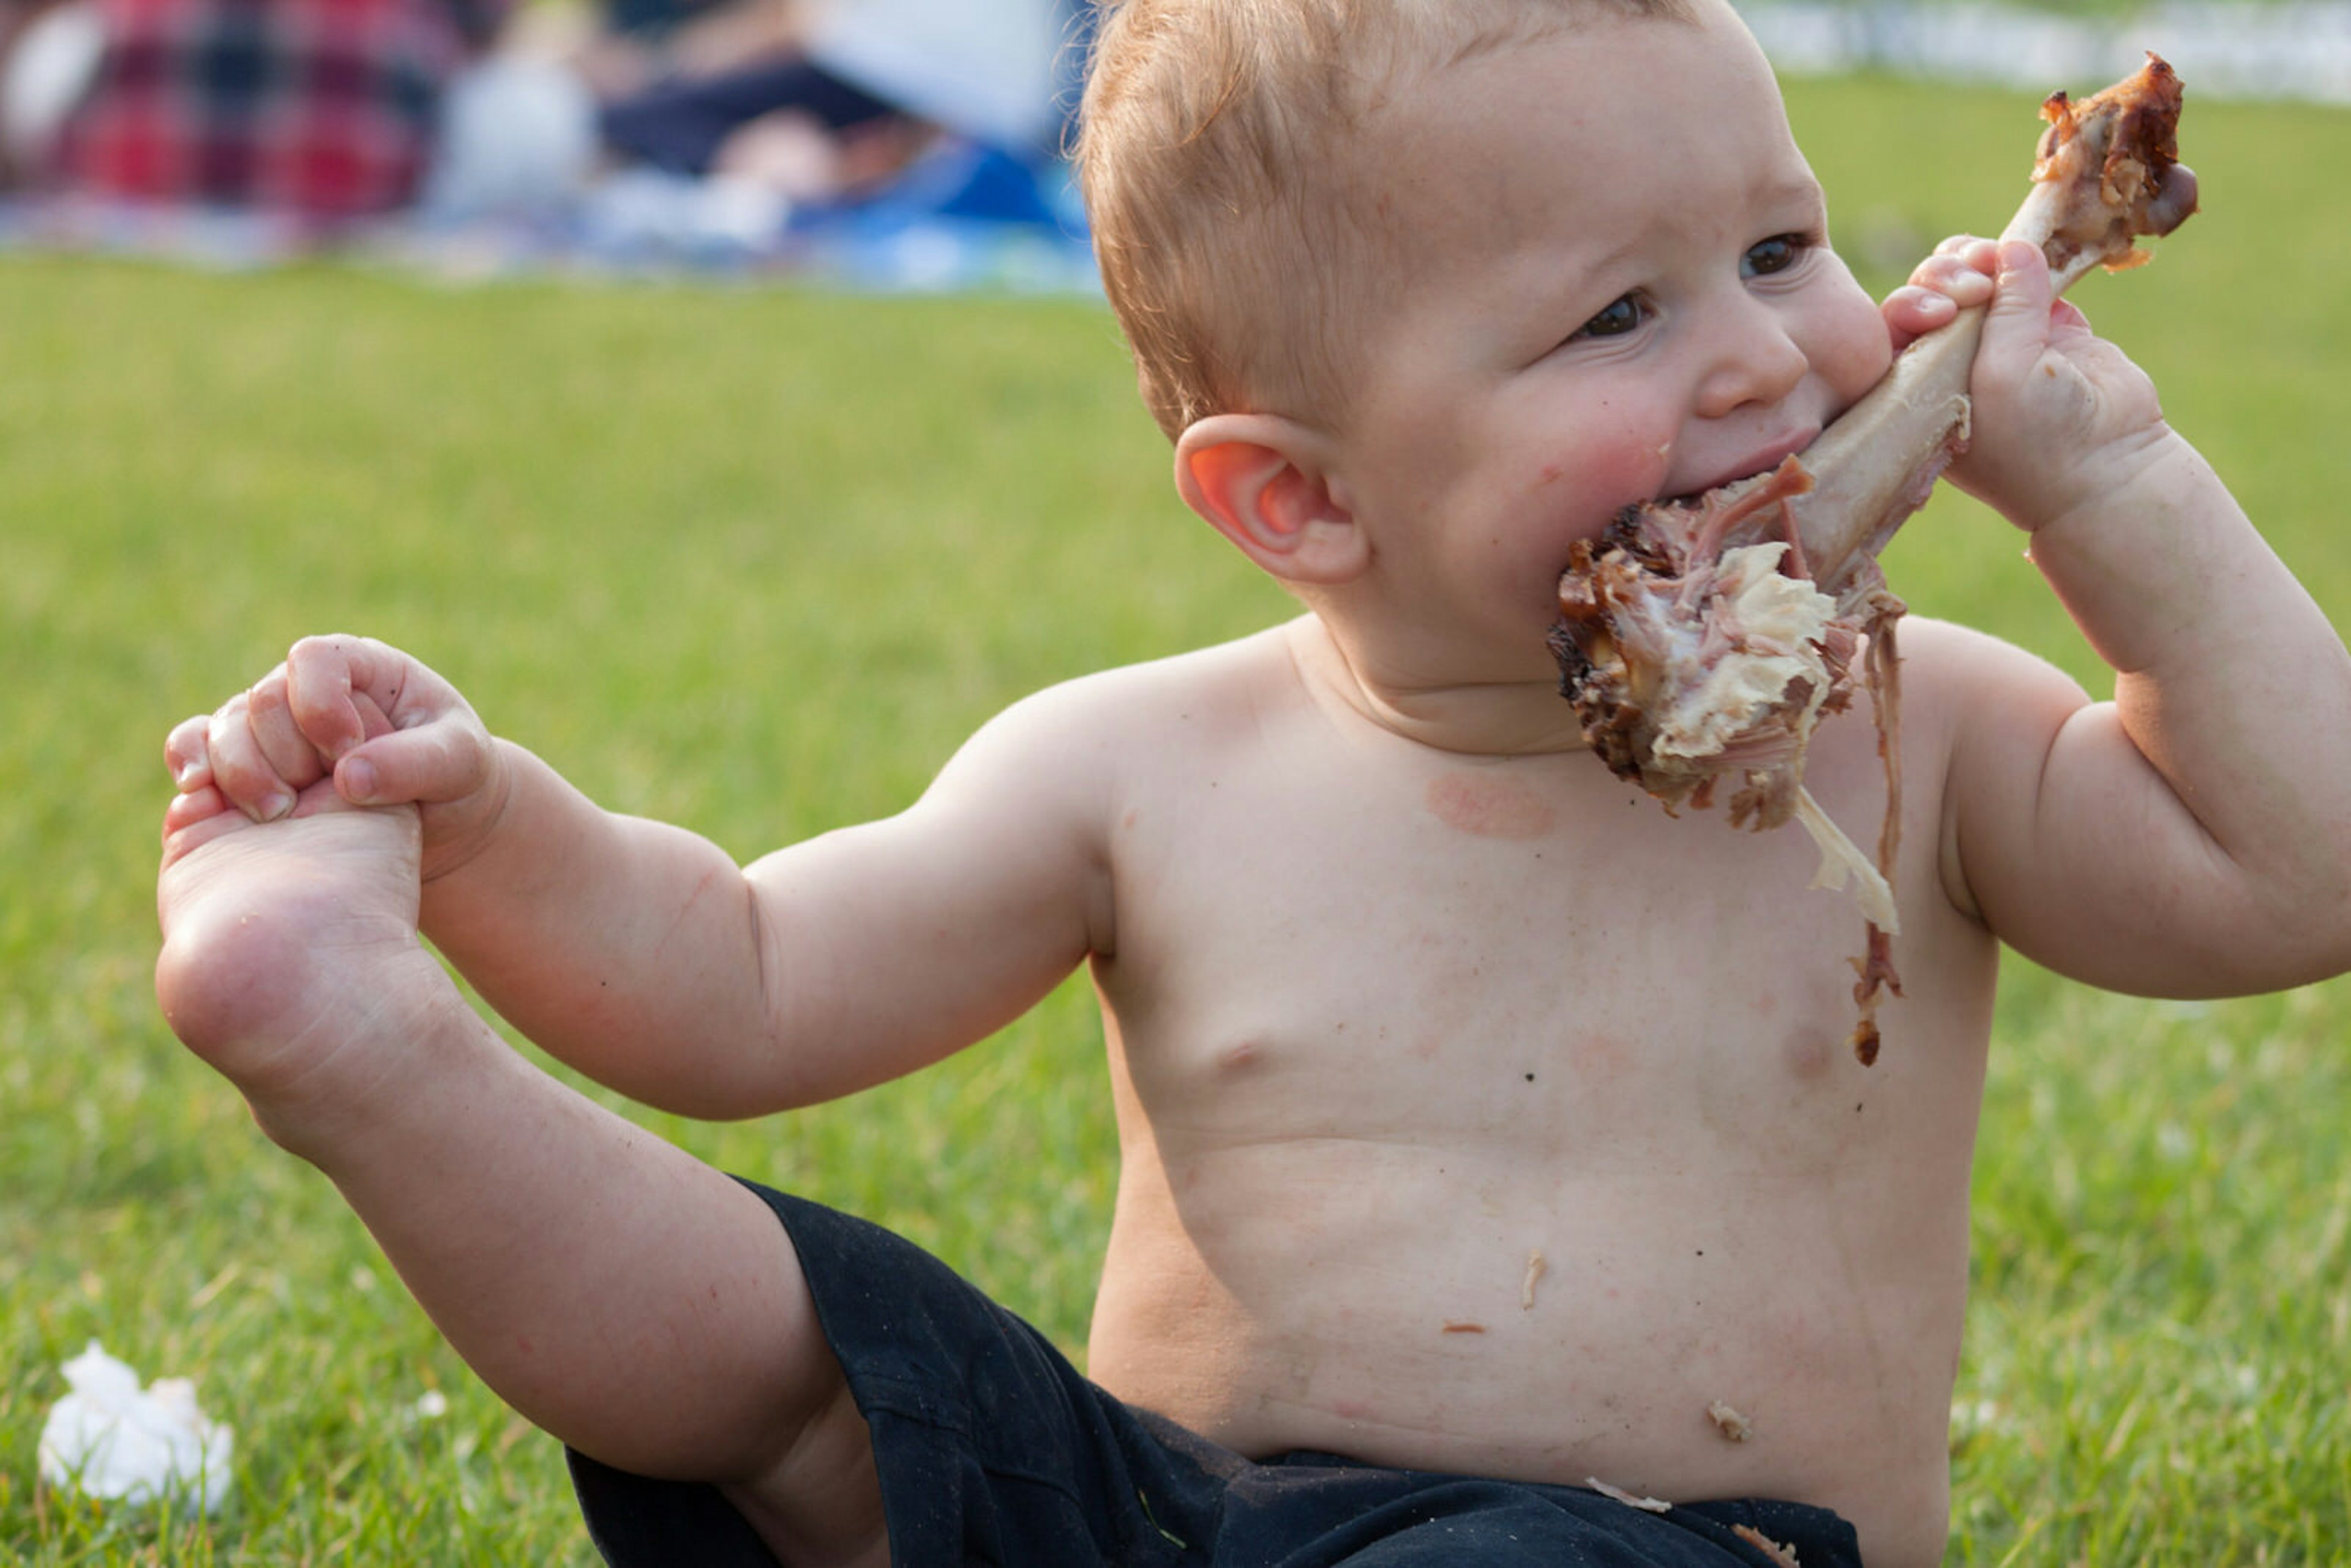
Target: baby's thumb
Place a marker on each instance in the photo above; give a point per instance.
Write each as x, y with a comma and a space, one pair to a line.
2017, 325
429, 765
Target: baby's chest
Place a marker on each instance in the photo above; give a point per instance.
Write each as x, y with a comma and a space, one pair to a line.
1366, 975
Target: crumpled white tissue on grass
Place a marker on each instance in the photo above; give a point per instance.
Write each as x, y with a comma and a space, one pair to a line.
110, 1439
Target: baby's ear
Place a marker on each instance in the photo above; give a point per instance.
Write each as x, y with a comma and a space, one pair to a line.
1260, 480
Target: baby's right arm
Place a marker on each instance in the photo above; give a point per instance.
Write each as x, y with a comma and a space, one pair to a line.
2187, 836
641, 953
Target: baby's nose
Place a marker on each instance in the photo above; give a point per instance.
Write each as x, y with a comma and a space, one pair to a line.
1753, 360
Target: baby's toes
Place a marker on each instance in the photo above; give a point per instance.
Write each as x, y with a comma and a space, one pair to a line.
188, 811
240, 769
187, 754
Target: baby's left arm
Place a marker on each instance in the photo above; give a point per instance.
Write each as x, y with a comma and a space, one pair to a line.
2192, 836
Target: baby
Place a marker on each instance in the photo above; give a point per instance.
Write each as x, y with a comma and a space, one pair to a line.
1497, 1185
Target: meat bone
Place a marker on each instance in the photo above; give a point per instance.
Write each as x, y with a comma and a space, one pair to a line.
2105, 172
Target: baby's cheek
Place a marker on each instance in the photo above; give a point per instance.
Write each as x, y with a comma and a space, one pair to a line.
1844, 333
1621, 462
1858, 350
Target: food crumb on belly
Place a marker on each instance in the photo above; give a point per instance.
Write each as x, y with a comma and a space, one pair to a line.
1536, 1269
1729, 1422
1783, 1555
1646, 1504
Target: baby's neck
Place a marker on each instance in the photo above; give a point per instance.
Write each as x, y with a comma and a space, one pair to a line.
1474, 718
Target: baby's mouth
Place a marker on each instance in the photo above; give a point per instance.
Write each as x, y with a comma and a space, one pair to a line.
1760, 460
1756, 463
1715, 488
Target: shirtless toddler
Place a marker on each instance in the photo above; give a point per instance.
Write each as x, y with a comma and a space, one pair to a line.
1490, 1146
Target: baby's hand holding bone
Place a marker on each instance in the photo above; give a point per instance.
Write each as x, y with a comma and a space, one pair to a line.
1958, 276
2061, 418
384, 728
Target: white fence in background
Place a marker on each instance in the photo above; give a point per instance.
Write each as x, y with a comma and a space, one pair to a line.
2290, 51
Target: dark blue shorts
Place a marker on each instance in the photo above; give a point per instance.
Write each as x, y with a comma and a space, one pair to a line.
993, 1449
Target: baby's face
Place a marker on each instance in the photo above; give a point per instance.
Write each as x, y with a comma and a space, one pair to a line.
1618, 287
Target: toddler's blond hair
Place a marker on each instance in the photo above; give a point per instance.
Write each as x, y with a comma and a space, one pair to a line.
1237, 223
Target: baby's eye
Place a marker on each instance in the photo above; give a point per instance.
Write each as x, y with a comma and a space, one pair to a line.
1621, 316
1777, 254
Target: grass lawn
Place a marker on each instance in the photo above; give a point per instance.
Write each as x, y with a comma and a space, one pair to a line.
756, 561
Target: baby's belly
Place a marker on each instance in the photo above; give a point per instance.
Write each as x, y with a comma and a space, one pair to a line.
1687, 1326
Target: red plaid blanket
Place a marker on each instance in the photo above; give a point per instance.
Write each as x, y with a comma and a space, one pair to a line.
321, 109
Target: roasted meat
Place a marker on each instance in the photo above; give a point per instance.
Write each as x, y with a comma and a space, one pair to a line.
1702, 640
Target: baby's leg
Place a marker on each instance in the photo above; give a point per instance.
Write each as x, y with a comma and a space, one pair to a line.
628, 1298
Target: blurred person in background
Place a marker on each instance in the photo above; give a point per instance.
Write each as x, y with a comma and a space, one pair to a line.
632, 44
825, 99
324, 110
737, 112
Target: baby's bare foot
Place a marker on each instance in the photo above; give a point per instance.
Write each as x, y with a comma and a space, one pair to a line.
290, 959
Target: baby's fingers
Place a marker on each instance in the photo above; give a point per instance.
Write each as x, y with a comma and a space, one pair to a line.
336, 687
394, 731
1970, 250
1912, 312
1956, 278
437, 762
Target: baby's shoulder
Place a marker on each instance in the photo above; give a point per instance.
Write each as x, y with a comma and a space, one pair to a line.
1948, 650
1952, 675
1108, 730
1203, 693
1970, 704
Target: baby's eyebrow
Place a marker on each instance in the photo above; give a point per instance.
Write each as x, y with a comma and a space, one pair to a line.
1804, 192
